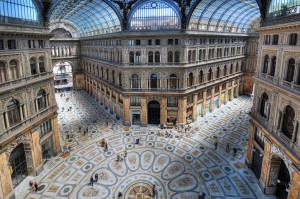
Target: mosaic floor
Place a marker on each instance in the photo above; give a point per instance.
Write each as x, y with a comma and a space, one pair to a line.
180, 167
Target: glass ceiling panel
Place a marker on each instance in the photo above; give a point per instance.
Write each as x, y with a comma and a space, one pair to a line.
224, 15
91, 18
19, 11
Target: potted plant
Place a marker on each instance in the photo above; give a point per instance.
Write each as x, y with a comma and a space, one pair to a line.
284, 9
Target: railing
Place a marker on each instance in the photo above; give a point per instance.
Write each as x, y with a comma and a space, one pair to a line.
277, 134
13, 131
25, 80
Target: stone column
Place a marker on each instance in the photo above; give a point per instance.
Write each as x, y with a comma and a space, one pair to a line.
144, 113
25, 111
5, 178
126, 110
249, 153
204, 103
6, 120
56, 135
237, 88
195, 100
21, 112
211, 106
163, 110
220, 96
101, 96
104, 98
232, 90
226, 94
281, 120
265, 168
2, 126
117, 107
182, 111
36, 149
294, 192
111, 102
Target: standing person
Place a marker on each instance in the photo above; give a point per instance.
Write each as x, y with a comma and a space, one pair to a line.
91, 181
106, 148
36, 187
154, 190
96, 177
216, 145
234, 151
118, 157
125, 154
227, 147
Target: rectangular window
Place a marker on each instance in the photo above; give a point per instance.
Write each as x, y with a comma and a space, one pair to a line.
176, 42
45, 128
267, 39
293, 39
11, 44
200, 95
135, 101
172, 102
1, 45
41, 43
157, 41
275, 40
138, 42
189, 99
150, 43
170, 41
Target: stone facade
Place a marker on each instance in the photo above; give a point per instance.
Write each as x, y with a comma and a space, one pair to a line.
27, 102
275, 113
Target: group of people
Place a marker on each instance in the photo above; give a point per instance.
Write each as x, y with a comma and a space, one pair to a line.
121, 157
234, 149
33, 186
92, 180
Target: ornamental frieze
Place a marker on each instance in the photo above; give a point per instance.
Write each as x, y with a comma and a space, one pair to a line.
275, 150
269, 52
9, 57
290, 53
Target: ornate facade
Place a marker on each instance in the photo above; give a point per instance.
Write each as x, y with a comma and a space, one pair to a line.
28, 118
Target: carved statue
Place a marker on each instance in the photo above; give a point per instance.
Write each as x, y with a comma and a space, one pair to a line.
125, 7
183, 4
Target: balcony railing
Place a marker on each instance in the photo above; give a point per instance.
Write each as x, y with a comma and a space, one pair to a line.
277, 134
23, 81
16, 129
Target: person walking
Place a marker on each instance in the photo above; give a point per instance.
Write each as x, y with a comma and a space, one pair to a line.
96, 177
91, 181
118, 157
227, 147
216, 145
36, 187
106, 148
154, 190
234, 151
125, 154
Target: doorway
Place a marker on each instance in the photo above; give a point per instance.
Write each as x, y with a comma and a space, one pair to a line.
153, 112
283, 182
136, 119
257, 163
17, 161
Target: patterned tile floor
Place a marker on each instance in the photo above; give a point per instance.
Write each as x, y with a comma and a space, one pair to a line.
180, 167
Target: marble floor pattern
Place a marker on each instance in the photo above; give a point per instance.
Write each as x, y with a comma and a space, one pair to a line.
180, 167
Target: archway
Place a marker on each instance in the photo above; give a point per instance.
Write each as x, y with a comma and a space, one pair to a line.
153, 112
63, 77
17, 161
279, 177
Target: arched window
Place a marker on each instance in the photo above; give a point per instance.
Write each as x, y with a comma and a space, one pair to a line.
273, 66
157, 57
107, 75
264, 106
13, 113
154, 15
14, 71
290, 70
288, 122
218, 72
266, 64
41, 100
209, 77
237, 67
131, 57
191, 80
173, 81
138, 57
225, 70
201, 77
242, 66
231, 69
194, 56
200, 54
2, 72
177, 56
42, 65
102, 75
135, 81
33, 66
170, 57
190, 56
113, 76
120, 79
150, 57
154, 81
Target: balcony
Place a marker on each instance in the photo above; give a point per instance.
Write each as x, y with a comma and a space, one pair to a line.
276, 134
14, 84
15, 130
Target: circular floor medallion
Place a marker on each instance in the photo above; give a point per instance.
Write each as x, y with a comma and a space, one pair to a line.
139, 190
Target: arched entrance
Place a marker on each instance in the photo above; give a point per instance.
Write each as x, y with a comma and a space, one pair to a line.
279, 177
153, 112
17, 161
63, 77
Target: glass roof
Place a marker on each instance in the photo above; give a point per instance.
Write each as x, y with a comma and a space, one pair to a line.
155, 15
90, 17
224, 15
19, 11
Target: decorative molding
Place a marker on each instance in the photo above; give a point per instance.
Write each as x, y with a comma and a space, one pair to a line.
280, 153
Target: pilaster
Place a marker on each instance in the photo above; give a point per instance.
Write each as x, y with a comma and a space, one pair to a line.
204, 103
195, 100
144, 113
182, 110
126, 109
163, 110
